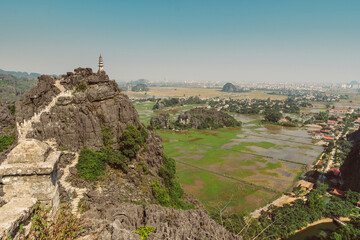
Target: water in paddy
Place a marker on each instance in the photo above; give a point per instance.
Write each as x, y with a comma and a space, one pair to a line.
293, 144
313, 232
246, 117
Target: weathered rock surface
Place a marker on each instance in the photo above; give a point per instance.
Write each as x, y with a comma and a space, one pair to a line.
122, 219
229, 87
37, 98
13, 214
76, 122
351, 168
71, 113
161, 121
29, 151
6, 118
200, 118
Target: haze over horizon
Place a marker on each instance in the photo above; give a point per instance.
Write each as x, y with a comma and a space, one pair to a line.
235, 41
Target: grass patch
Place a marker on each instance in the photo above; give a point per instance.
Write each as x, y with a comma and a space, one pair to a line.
6, 141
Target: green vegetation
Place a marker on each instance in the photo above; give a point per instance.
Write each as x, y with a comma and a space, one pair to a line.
349, 232
131, 140
171, 195
167, 102
272, 115
140, 88
6, 141
282, 222
144, 231
92, 164
215, 190
63, 226
81, 87
12, 88
12, 109
225, 166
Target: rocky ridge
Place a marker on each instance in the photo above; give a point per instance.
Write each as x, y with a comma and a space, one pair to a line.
198, 118
63, 116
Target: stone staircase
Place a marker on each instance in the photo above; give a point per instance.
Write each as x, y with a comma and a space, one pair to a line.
26, 126
70, 189
29, 174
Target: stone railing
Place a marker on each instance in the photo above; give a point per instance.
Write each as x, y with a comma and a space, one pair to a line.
28, 175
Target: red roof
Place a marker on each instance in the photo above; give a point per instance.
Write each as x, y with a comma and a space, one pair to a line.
328, 138
319, 163
338, 192
338, 110
336, 171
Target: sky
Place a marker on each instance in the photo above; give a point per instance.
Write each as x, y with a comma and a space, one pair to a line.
313, 41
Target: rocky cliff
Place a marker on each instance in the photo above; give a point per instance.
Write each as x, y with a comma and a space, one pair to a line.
229, 87
77, 111
200, 118
351, 168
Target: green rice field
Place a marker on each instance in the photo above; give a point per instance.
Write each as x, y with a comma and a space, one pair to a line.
242, 168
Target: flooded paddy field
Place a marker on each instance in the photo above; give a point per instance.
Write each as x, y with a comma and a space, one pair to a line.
246, 167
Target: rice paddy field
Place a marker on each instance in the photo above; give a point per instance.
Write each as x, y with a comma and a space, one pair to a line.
161, 92
242, 168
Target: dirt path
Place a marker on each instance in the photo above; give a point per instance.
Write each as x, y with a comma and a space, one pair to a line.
79, 191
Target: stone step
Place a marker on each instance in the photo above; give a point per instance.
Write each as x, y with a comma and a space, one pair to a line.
14, 213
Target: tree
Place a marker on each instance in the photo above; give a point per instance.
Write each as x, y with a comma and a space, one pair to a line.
337, 207
352, 197
321, 188
322, 116
316, 202
272, 115
130, 141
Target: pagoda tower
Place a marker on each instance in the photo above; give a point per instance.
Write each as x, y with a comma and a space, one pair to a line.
101, 65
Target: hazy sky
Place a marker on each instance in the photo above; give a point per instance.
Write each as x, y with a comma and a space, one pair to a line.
253, 40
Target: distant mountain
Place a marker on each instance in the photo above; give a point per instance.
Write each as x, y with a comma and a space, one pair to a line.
21, 74
12, 88
140, 88
25, 74
229, 87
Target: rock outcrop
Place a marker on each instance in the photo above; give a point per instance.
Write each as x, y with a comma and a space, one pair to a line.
200, 118
229, 87
7, 119
76, 121
168, 223
140, 88
161, 121
58, 118
351, 168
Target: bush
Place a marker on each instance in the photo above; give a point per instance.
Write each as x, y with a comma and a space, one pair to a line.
6, 141
81, 87
161, 196
91, 164
131, 140
171, 196
117, 160
12, 109
272, 115
64, 226
144, 231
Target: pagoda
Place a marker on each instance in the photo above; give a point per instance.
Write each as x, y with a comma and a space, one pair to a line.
101, 65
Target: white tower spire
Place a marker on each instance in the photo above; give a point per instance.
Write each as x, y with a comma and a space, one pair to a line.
101, 65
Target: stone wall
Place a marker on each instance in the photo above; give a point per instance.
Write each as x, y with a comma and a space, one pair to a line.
28, 175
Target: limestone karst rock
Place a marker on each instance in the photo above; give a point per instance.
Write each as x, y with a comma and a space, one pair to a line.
76, 121
70, 114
